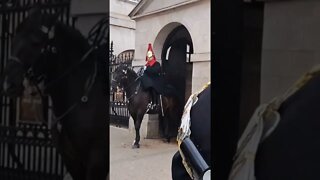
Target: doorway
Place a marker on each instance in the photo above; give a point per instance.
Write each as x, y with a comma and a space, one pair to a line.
176, 61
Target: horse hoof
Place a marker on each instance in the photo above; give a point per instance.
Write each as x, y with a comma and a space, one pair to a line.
135, 146
166, 140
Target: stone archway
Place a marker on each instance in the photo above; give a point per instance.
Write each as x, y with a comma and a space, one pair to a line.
172, 47
175, 57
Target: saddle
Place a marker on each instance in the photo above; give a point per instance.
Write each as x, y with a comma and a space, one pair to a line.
151, 107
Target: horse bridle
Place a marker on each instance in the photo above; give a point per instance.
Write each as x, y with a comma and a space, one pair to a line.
50, 33
124, 89
90, 81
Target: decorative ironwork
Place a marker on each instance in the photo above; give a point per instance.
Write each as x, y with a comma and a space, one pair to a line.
118, 112
26, 148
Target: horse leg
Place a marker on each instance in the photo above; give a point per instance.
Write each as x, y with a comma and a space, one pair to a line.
164, 128
172, 124
166, 119
97, 164
161, 125
74, 168
63, 146
137, 125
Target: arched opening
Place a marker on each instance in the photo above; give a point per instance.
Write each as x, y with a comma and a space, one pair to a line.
176, 63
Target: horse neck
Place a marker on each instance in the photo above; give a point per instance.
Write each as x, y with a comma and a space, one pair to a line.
132, 83
71, 46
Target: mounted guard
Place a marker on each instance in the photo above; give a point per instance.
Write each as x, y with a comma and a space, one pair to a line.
152, 80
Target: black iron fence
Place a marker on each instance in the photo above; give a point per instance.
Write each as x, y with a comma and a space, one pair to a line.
118, 111
26, 147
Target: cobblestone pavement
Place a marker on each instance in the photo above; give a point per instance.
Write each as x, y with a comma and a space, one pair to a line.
152, 161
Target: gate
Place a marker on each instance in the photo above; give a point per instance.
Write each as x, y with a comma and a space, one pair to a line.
118, 111
26, 147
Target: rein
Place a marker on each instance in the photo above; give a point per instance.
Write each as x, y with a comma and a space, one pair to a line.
84, 57
84, 98
133, 94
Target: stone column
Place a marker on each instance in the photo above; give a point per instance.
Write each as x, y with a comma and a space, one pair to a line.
88, 13
290, 44
201, 70
149, 128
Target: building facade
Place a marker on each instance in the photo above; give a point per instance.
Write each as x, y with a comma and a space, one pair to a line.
88, 13
122, 28
155, 20
179, 31
291, 44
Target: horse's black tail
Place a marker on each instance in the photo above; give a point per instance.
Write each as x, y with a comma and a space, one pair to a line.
170, 90
161, 125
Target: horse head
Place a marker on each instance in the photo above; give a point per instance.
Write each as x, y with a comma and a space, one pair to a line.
122, 76
28, 44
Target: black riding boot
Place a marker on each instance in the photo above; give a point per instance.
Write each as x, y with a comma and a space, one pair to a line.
155, 99
151, 97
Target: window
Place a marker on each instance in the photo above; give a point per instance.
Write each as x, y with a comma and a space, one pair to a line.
188, 53
131, 1
167, 54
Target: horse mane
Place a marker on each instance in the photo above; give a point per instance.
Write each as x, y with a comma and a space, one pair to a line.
76, 39
79, 45
132, 72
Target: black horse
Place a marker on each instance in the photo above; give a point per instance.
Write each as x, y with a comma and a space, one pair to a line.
128, 79
200, 116
75, 79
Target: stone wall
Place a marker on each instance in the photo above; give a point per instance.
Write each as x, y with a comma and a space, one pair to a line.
153, 25
122, 28
88, 13
291, 44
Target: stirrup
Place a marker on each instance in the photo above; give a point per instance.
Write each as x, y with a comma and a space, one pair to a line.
149, 107
154, 105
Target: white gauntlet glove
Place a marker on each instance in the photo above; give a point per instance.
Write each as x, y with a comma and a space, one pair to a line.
145, 67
